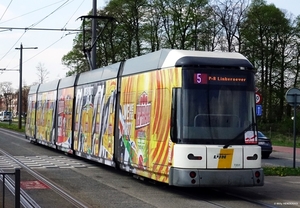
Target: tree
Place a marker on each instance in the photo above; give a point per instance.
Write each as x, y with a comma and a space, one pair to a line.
7, 91
42, 73
267, 42
25, 92
129, 15
230, 14
142, 26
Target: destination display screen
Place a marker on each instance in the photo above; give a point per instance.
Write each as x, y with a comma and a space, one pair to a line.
219, 79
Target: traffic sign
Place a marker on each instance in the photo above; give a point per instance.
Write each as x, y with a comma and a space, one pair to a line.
292, 96
258, 110
258, 98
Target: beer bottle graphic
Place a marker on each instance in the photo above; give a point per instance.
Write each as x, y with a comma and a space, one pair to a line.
143, 116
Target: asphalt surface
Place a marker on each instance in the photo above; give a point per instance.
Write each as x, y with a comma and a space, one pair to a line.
278, 191
282, 157
286, 190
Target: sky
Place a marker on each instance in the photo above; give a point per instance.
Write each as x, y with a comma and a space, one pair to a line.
291, 6
52, 45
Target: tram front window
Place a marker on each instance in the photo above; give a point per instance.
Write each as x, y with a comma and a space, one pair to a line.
216, 115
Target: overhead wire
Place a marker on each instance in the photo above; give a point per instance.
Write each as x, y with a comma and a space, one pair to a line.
35, 24
73, 14
12, 47
64, 35
31, 12
45, 48
31, 26
28, 27
6, 10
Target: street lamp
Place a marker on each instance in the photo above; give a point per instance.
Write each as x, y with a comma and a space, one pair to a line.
20, 83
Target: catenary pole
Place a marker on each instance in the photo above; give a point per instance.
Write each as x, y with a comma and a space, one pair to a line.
20, 83
94, 35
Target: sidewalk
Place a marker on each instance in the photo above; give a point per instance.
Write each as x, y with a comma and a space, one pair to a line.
285, 149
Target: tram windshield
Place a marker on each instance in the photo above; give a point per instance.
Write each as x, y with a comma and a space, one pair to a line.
216, 106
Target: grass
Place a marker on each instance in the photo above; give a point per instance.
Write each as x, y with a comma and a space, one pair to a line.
277, 139
13, 126
287, 140
281, 171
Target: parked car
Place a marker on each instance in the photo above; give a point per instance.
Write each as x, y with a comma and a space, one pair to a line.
265, 144
5, 116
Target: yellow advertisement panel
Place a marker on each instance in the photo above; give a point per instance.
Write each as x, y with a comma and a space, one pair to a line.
145, 146
30, 118
45, 116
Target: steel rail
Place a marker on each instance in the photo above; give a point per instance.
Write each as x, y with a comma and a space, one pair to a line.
25, 199
193, 193
53, 186
262, 204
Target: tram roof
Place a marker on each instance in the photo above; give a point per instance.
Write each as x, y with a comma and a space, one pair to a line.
104, 73
33, 89
49, 86
67, 82
171, 57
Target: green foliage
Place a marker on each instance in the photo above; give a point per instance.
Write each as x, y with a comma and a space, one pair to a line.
267, 36
13, 126
281, 171
282, 133
284, 127
285, 140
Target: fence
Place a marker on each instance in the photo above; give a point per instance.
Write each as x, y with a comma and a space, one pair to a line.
13, 187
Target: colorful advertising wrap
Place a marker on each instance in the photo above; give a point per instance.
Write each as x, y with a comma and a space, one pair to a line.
30, 125
45, 117
145, 147
94, 120
64, 118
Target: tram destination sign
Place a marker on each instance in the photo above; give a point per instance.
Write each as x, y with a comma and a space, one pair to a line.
203, 78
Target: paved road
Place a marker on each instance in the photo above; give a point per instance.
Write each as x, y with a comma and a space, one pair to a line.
95, 185
286, 149
282, 156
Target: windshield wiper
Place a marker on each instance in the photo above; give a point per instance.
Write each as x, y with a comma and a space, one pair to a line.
240, 134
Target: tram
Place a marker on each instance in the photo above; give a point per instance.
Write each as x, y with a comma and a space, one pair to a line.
185, 118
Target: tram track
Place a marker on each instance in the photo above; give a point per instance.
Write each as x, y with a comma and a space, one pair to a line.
262, 204
26, 200
215, 197
209, 195
104, 182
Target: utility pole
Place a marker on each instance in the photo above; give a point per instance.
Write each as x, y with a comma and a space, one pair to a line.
90, 52
20, 83
94, 35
